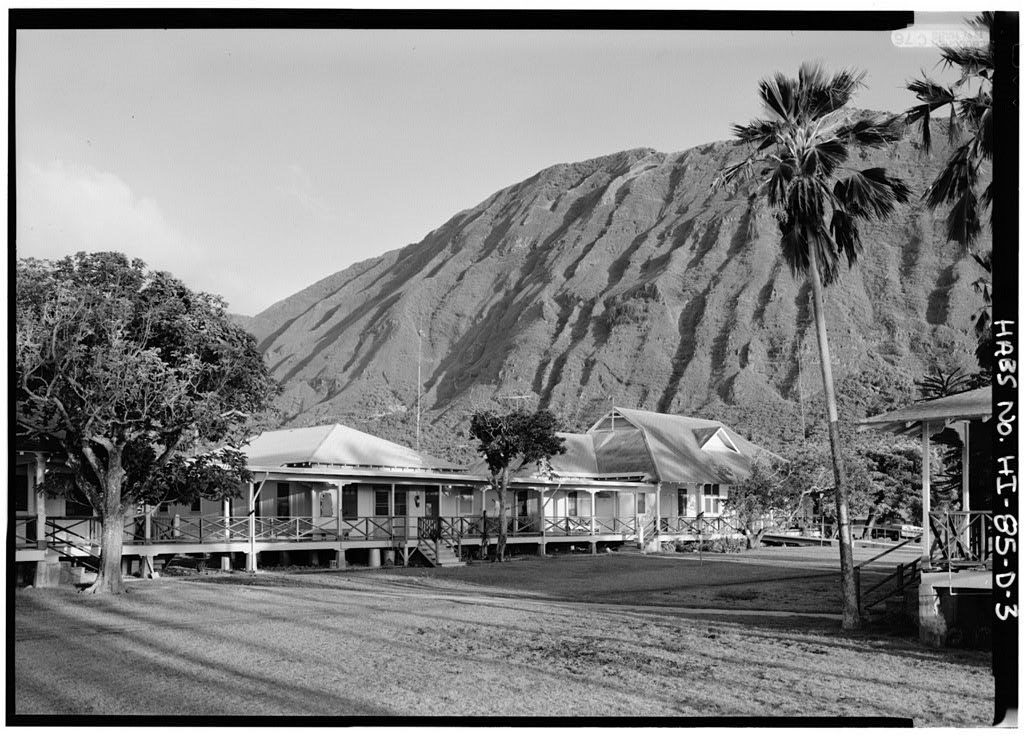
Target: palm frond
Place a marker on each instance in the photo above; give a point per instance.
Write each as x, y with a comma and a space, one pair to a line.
846, 235
963, 224
986, 197
778, 93
778, 180
973, 108
959, 175
762, 132
972, 60
821, 94
870, 193
938, 383
823, 158
873, 131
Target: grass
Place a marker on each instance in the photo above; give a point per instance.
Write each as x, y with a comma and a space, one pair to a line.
612, 635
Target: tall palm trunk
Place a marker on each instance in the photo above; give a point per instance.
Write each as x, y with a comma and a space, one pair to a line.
851, 609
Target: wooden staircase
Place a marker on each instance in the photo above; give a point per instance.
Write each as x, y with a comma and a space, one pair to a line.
439, 555
440, 542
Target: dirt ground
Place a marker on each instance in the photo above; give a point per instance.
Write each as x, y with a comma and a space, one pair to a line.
580, 635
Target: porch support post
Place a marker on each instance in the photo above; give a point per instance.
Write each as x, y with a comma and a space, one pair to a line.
250, 562
225, 559
926, 495
657, 513
965, 464
147, 521
40, 476
593, 526
543, 540
339, 556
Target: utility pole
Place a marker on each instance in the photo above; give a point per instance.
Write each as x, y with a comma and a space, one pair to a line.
800, 388
419, 384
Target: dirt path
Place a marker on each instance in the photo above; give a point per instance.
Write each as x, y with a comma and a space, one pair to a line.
398, 644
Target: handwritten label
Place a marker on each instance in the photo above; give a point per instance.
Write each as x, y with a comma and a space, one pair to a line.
1004, 519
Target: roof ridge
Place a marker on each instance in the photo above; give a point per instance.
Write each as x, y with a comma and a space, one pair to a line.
643, 433
323, 440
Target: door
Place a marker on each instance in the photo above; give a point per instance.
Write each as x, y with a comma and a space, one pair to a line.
431, 513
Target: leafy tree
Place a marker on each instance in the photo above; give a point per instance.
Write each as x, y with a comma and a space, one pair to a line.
798, 161
959, 184
772, 495
516, 437
894, 478
145, 385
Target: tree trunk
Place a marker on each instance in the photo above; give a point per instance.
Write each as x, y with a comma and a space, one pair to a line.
851, 608
869, 525
502, 489
108, 579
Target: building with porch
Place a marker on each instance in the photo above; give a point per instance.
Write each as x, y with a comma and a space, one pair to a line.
954, 573
334, 495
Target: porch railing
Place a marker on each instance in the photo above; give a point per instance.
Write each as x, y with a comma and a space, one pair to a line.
698, 526
25, 533
961, 538
567, 526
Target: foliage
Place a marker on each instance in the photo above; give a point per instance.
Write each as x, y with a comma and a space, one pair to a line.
969, 102
959, 183
516, 437
938, 383
798, 160
128, 371
773, 490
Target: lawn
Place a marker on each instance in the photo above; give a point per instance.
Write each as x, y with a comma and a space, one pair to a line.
609, 635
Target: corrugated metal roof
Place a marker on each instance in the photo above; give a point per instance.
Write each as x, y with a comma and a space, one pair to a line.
577, 460
675, 446
335, 444
974, 404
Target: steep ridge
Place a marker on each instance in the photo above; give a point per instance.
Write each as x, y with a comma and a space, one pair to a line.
624, 278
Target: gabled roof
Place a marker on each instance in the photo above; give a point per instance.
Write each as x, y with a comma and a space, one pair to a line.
580, 461
337, 445
652, 447
973, 404
675, 445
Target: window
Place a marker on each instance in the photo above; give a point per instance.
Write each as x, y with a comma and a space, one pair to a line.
349, 501
526, 506
76, 504
572, 503
465, 501
21, 493
641, 503
197, 505
284, 506
381, 500
401, 502
712, 501
683, 503
165, 507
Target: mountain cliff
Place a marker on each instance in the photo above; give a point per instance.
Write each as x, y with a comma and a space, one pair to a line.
624, 279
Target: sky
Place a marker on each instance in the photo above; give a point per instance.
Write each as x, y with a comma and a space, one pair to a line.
253, 163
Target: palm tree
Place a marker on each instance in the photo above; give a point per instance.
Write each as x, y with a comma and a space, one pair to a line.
798, 157
970, 126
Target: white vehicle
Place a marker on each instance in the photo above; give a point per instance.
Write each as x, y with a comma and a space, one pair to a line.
909, 531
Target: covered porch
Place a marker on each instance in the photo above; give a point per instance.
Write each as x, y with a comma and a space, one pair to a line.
954, 578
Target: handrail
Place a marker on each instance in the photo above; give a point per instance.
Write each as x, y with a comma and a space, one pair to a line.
883, 553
